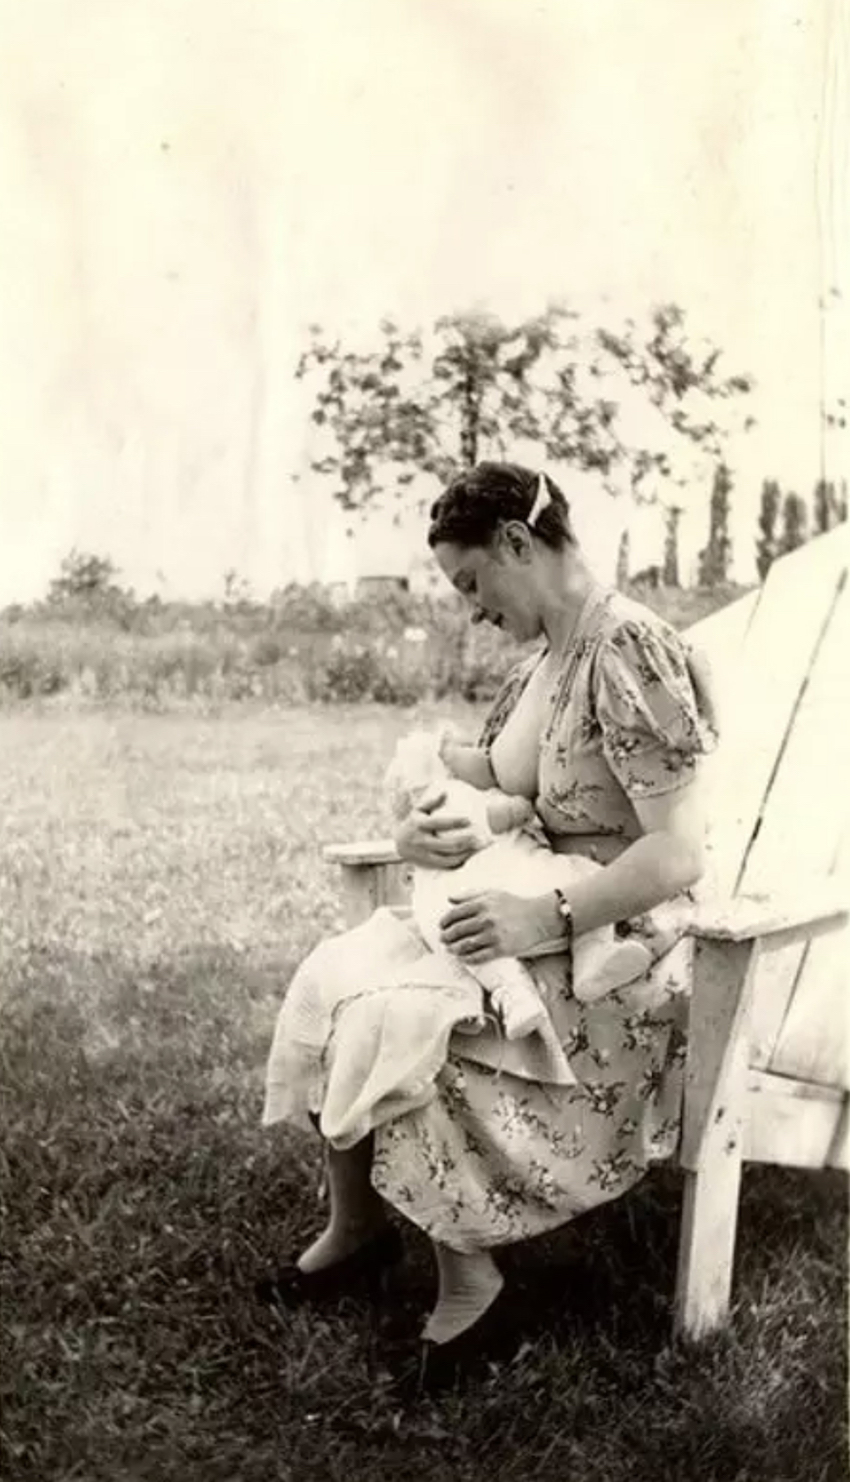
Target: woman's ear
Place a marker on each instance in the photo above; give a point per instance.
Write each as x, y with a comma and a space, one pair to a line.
515, 537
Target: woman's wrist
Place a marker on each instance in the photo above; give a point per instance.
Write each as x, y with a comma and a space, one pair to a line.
550, 932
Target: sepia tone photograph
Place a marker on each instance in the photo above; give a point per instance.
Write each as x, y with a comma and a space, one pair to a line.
424, 701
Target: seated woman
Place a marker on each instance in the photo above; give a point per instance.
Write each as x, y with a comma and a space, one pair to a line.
605, 727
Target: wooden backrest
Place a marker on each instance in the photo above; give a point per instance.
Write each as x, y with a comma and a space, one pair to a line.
780, 791
782, 697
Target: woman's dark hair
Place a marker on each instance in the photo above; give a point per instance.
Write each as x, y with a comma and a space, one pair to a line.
476, 503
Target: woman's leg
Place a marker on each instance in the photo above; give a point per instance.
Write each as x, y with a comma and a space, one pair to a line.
357, 1212
469, 1284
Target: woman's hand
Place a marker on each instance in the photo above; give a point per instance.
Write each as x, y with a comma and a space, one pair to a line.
496, 923
437, 840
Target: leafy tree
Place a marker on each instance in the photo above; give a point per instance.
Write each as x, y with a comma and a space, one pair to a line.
680, 380
83, 575
408, 408
767, 545
794, 519
86, 587
716, 555
475, 386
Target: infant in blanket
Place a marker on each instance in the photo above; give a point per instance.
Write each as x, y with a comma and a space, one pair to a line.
510, 855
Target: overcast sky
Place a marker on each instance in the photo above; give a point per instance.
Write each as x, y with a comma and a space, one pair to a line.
185, 184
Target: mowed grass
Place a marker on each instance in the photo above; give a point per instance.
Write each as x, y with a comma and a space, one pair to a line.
159, 878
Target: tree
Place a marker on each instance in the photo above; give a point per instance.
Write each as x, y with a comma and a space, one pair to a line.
623, 556
767, 547
475, 386
830, 506
794, 518
86, 587
407, 407
672, 516
716, 555
680, 380
83, 575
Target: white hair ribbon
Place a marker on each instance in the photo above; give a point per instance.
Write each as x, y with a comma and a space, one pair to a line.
542, 500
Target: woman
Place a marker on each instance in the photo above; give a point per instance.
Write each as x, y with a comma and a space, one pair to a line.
605, 728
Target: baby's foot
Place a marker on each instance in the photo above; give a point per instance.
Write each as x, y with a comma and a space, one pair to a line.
622, 965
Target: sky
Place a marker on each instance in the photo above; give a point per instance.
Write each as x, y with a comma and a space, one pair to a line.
185, 185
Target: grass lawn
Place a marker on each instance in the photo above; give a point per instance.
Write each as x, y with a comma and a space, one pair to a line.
159, 877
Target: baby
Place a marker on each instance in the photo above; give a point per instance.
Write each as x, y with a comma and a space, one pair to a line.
509, 855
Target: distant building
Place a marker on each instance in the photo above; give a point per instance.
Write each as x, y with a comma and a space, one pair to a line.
338, 593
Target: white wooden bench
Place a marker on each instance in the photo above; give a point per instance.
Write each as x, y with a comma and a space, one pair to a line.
767, 1071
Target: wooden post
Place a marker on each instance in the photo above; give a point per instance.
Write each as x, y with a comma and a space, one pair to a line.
713, 1131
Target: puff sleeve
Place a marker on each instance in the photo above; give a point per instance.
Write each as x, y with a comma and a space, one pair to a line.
655, 718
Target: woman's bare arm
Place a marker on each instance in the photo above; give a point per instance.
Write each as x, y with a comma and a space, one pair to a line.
470, 764
667, 858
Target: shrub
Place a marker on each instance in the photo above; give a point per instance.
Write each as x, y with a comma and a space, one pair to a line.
396, 650
26, 672
351, 672
306, 608
267, 649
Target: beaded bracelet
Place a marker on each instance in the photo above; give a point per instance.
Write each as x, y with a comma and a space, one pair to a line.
565, 911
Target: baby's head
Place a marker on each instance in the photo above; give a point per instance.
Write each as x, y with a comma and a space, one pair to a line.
415, 768
417, 772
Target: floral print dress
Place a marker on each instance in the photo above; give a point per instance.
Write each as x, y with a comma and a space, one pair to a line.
498, 1148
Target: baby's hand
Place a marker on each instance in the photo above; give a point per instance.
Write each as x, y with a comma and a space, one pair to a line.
435, 839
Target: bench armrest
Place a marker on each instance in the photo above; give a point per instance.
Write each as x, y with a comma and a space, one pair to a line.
363, 853
748, 917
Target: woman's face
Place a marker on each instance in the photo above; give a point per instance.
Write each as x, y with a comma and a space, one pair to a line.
498, 583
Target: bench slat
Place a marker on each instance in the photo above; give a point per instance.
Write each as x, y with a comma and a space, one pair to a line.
363, 852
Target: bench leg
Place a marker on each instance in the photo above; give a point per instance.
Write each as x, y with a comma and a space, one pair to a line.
713, 1132
706, 1248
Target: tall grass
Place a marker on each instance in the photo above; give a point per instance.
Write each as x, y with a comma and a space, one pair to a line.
159, 876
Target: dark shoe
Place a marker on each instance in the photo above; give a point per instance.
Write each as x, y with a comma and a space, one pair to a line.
361, 1272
